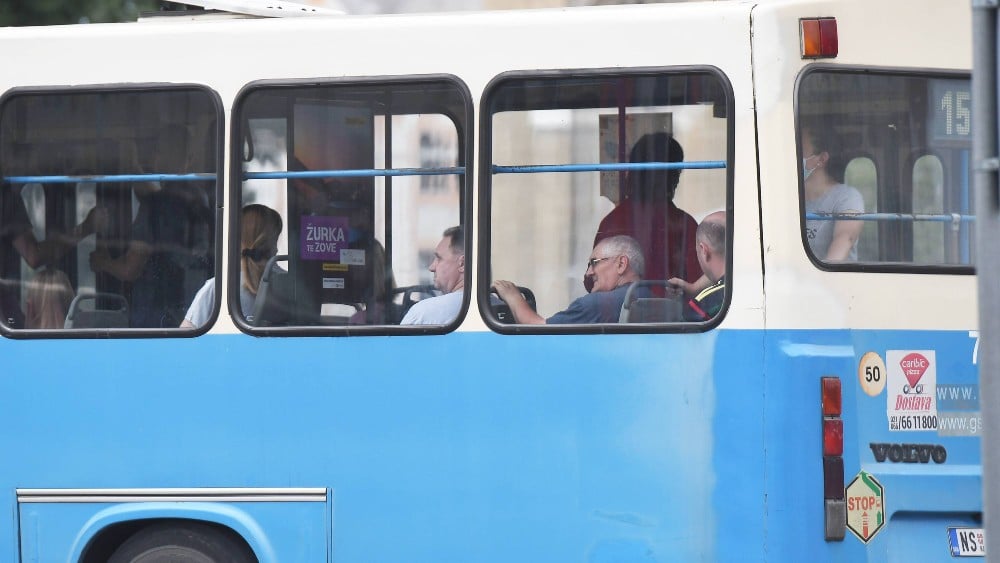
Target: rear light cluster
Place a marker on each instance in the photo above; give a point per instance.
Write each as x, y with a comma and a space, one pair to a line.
818, 38
835, 509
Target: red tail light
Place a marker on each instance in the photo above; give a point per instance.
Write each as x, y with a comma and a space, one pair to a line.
833, 437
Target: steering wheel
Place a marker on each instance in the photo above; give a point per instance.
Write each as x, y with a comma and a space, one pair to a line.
501, 311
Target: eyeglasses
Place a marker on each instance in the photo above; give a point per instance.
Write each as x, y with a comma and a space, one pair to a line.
592, 263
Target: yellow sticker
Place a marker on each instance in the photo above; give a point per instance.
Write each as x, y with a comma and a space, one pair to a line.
331, 267
871, 374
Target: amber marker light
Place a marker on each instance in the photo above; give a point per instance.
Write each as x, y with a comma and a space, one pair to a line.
818, 38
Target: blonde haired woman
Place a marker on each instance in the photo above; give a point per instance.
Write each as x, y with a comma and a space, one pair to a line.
49, 297
260, 227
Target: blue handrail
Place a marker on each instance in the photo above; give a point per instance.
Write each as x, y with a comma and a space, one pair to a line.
939, 218
106, 178
368, 172
356, 173
281, 174
607, 167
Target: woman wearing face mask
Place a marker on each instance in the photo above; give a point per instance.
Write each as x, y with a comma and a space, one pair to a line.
826, 194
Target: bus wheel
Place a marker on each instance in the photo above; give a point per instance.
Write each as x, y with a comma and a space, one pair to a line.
183, 542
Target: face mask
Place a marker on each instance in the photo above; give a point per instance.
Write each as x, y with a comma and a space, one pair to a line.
806, 171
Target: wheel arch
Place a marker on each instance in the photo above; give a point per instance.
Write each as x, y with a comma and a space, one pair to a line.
110, 527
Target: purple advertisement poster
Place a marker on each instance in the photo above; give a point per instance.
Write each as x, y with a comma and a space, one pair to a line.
323, 237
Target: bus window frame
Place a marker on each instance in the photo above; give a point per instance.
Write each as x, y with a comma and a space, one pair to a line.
870, 267
464, 149
485, 187
219, 129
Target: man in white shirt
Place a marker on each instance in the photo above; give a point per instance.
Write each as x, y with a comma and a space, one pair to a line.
448, 268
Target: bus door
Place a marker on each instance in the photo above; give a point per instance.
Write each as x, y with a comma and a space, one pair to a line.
888, 151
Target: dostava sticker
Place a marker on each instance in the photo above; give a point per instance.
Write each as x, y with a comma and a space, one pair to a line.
871, 374
911, 389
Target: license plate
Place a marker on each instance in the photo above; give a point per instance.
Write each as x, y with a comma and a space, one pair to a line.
967, 542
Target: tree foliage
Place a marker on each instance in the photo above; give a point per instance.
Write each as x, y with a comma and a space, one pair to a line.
55, 12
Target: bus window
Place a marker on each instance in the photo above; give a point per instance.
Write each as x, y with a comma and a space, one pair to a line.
576, 163
906, 203
111, 193
363, 179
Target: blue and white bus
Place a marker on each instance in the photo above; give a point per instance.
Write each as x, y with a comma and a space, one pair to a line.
829, 410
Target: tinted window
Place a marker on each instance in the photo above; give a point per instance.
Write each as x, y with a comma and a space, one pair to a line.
579, 160
107, 215
916, 212
356, 184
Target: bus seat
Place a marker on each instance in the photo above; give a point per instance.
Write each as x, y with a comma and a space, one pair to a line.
405, 297
637, 309
274, 305
97, 310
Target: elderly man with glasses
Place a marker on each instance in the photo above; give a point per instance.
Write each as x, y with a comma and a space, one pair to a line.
614, 264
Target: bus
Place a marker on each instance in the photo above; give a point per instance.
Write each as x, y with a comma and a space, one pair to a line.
215, 230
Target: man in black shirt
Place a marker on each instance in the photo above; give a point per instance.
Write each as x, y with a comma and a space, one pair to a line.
710, 243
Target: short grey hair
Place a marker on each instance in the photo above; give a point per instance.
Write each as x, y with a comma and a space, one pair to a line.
624, 245
714, 235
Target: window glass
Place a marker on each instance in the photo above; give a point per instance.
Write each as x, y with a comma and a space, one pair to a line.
862, 174
347, 192
107, 207
597, 186
928, 199
885, 163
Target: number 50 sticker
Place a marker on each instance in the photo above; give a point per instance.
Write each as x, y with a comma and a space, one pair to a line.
871, 373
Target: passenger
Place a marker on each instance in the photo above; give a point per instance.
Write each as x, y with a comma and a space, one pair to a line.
17, 242
826, 194
646, 212
614, 264
711, 247
448, 268
152, 256
260, 227
692, 289
48, 299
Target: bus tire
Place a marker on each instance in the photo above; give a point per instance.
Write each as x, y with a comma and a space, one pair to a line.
187, 542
